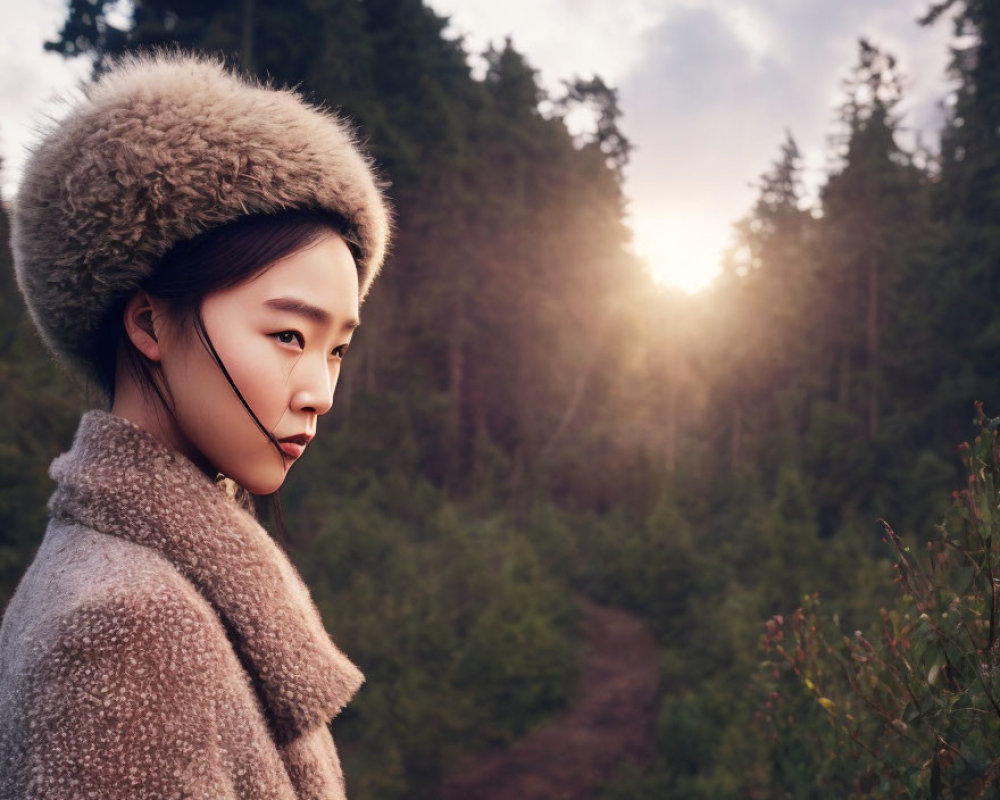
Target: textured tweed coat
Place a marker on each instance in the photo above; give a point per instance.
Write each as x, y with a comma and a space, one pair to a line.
161, 645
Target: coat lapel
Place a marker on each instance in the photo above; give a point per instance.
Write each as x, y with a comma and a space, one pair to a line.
119, 480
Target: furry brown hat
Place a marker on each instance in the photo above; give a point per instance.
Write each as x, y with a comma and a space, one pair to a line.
164, 147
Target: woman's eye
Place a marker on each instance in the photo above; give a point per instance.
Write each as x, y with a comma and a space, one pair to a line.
289, 337
340, 352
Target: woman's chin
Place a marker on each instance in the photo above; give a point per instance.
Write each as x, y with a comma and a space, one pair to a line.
260, 484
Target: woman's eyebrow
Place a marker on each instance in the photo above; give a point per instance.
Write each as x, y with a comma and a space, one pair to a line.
304, 309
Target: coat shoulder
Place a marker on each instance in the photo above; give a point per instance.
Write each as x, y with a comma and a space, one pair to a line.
77, 572
116, 661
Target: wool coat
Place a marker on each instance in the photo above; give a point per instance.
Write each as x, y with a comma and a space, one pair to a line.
161, 645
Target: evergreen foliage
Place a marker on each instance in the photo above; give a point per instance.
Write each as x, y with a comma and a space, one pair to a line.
919, 696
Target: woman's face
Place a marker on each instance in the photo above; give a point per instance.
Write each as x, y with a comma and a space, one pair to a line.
281, 336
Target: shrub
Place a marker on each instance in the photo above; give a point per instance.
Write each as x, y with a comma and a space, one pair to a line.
918, 694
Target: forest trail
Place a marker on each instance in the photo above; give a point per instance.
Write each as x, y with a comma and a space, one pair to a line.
611, 720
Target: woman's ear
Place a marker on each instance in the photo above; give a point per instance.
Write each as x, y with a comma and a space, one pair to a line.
140, 325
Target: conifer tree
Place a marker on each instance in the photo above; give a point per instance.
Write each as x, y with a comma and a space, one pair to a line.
967, 206
763, 320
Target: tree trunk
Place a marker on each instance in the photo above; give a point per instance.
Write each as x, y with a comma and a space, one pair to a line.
480, 435
736, 433
456, 388
671, 448
872, 347
456, 362
672, 390
345, 391
578, 393
371, 373
844, 378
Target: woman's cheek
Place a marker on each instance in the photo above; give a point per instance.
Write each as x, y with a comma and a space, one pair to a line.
261, 373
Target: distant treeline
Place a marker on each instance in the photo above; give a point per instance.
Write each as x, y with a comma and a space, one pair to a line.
524, 414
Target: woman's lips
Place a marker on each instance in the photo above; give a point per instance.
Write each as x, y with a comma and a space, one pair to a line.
294, 446
292, 449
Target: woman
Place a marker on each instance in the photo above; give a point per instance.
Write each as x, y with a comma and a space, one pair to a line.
199, 246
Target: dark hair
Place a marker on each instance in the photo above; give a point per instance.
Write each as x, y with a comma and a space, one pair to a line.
195, 268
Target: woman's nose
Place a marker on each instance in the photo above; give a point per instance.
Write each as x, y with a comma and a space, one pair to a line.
315, 383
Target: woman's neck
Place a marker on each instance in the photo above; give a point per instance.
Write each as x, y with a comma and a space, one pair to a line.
144, 407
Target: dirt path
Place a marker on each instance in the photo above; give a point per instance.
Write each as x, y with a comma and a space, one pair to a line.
612, 720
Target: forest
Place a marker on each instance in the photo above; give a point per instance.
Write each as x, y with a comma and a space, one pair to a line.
770, 474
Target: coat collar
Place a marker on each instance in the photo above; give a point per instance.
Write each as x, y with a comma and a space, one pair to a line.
118, 479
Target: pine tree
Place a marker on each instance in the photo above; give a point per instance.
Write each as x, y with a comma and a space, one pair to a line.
967, 207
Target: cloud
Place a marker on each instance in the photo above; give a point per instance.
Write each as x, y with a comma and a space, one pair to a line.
706, 111
560, 38
30, 78
719, 82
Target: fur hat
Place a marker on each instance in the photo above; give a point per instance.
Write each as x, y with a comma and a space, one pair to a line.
162, 148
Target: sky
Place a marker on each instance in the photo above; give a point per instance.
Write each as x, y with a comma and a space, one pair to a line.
707, 88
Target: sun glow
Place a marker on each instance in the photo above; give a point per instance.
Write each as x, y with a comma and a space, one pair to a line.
682, 252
